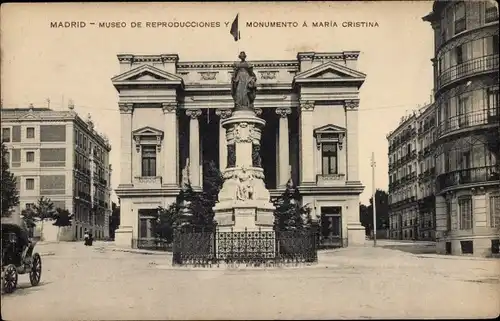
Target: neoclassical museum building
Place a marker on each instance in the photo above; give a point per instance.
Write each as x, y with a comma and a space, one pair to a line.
170, 115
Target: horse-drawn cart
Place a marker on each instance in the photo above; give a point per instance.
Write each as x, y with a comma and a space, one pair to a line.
18, 257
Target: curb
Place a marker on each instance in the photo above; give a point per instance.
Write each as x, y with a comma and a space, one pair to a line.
241, 268
135, 251
455, 257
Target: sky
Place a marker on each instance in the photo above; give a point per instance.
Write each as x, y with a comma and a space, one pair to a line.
40, 62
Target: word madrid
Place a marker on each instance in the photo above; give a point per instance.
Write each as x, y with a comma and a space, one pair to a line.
314, 24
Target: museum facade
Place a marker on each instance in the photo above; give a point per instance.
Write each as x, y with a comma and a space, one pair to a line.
171, 113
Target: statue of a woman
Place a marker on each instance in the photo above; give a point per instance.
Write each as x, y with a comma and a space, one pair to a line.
244, 84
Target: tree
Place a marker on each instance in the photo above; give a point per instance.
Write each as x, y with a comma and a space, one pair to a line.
114, 220
10, 194
203, 203
44, 210
365, 217
382, 207
289, 215
165, 222
63, 218
199, 204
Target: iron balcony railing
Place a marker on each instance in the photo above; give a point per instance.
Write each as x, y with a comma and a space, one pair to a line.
472, 119
467, 176
467, 69
491, 14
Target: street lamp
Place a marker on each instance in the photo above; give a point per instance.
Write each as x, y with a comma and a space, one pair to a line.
373, 164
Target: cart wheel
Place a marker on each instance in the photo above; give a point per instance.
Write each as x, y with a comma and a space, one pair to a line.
10, 278
36, 269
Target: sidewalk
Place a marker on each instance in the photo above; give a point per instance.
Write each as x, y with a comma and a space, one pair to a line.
114, 248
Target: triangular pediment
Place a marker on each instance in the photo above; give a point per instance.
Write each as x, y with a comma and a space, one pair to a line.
329, 129
147, 74
330, 71
147, 131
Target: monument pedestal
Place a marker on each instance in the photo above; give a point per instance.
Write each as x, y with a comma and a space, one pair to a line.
244, 202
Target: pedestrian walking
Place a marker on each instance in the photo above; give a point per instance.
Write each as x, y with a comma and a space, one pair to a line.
86, 237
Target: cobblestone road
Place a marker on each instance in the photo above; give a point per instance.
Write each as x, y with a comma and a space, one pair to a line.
80, 283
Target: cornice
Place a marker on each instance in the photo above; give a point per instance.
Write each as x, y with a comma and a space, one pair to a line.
344, 55
322, 190
131, 192
229, 65
162, 58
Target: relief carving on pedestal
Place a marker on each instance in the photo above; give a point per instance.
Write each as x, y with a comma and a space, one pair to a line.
242, 133
231, 155
256, 159
245, 185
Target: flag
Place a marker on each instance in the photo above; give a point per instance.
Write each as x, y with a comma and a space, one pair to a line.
234, 29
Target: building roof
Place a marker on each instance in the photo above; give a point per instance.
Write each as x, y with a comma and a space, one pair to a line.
46, 114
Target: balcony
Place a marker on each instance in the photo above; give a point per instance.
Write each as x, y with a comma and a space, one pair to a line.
491, 14
147, 182
330, 179
467, 176
467, 69
464, 121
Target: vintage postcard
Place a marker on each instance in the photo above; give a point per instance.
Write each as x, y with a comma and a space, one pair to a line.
253, 160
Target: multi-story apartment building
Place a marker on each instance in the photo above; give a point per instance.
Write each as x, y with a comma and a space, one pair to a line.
411, 176
59, 155
403, 182
467, 143
426, 124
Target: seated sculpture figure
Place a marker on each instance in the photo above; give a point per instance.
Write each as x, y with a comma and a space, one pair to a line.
244, 190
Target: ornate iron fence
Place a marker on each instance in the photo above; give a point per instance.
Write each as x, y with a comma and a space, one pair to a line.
257, 248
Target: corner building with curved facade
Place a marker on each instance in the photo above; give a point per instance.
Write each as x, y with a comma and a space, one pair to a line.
467, 113
171, 111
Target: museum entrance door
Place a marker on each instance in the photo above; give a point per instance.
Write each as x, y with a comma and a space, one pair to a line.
146, 217
331, 226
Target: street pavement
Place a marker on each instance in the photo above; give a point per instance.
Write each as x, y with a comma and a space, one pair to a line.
105, 283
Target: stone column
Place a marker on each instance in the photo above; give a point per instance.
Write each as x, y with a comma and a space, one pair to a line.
169, 159
194, 146
351, 110
126, 110
284, 147
223, 114
306, 143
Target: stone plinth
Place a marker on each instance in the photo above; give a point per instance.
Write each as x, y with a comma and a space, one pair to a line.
244, 201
